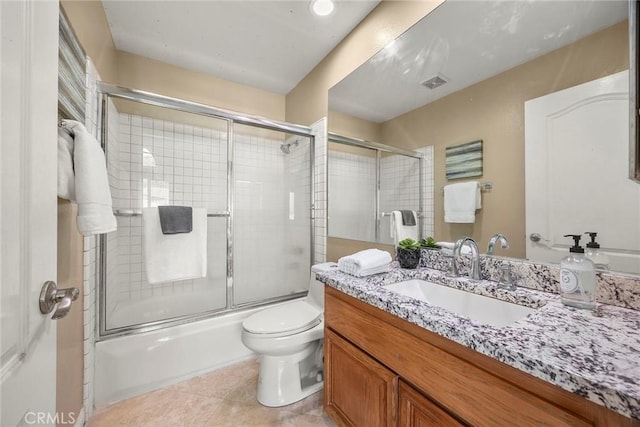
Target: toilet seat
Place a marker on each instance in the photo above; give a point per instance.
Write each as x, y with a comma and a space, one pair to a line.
286, 319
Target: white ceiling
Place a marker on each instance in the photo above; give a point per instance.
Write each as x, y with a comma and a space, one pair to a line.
266, 44
466, 42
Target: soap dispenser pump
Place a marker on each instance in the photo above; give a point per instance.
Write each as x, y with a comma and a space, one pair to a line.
577, 277
593, 252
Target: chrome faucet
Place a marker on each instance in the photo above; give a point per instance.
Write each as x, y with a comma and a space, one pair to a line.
475, 256
504, 243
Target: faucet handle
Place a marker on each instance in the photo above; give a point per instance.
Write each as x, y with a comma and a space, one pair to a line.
453, 269
506, 278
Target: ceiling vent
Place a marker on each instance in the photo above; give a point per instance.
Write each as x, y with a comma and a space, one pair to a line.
434, 82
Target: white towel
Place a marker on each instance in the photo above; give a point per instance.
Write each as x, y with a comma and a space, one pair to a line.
66, 177
365, 263
171, 257
95, 211
447, 248
400, 232
461, 201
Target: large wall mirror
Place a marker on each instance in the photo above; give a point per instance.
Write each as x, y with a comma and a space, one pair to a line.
545, 86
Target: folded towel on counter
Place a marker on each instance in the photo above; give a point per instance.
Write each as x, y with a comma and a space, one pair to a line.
446, 245
447, 248
461, 201
400, 231
365, 263
95, 211
171, 257
66, 176
176, 219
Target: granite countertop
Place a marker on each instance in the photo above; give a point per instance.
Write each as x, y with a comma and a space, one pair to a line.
595, 354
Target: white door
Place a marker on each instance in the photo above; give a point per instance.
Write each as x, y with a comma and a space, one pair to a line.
576, 157
28, 115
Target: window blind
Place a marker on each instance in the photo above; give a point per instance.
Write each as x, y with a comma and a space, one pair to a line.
71, 73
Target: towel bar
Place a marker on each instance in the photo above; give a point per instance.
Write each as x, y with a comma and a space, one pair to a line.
418, 214
484, 186
132, 212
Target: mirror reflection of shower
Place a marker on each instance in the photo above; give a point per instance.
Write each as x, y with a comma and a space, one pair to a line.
286, 148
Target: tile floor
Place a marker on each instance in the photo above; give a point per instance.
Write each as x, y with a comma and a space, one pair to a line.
226, 397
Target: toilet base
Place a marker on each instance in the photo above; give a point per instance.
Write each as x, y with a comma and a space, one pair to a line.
286, 380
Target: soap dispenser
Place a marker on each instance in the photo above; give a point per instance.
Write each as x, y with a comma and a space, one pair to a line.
593, 252
577, 277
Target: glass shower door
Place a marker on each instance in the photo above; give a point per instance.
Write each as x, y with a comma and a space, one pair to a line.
272, 215
399, 189
158, 156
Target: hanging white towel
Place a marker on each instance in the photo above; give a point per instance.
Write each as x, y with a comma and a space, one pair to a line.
461, 201
66, 177
399, 231
171, 257
95, 211
365, 263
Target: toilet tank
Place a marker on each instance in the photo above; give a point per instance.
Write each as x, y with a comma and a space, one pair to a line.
316, 288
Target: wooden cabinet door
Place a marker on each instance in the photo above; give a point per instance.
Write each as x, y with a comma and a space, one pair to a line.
358, 391
416, 410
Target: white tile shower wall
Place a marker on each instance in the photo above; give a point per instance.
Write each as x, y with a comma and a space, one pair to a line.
352, 179
161, 162
319, 130
169, 163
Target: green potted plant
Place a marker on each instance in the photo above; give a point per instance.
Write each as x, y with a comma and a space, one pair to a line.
429, 243
408, 253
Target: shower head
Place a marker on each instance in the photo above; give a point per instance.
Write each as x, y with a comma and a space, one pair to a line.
286, 148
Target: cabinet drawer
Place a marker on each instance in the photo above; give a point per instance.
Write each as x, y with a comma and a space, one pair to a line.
416, 410
358, 391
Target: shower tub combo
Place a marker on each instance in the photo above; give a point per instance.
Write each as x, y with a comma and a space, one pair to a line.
255, 178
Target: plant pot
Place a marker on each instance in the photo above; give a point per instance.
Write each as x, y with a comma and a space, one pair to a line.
408, 258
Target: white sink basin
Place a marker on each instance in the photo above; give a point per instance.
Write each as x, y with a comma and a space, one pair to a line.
477, 307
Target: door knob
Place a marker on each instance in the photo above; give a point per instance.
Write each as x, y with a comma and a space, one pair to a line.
59, 299
537, 238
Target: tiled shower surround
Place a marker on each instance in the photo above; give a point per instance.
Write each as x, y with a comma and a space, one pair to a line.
158, 162
352, 184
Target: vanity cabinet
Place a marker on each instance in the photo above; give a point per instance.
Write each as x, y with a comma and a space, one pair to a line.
381, 370
361, 391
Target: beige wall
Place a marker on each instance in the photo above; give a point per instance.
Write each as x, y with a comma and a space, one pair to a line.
337, 248
70, 346
89, 22
493, 110
159, 77
346, 125
308, 101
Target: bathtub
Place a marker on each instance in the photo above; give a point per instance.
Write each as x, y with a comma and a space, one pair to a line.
130, 365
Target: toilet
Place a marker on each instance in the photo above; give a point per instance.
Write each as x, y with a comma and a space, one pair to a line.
289, 339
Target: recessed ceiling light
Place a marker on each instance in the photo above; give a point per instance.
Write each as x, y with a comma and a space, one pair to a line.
322, 7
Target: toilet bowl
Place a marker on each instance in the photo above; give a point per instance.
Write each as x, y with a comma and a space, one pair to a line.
289, 340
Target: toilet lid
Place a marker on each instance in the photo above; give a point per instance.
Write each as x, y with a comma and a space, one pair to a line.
293, 317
